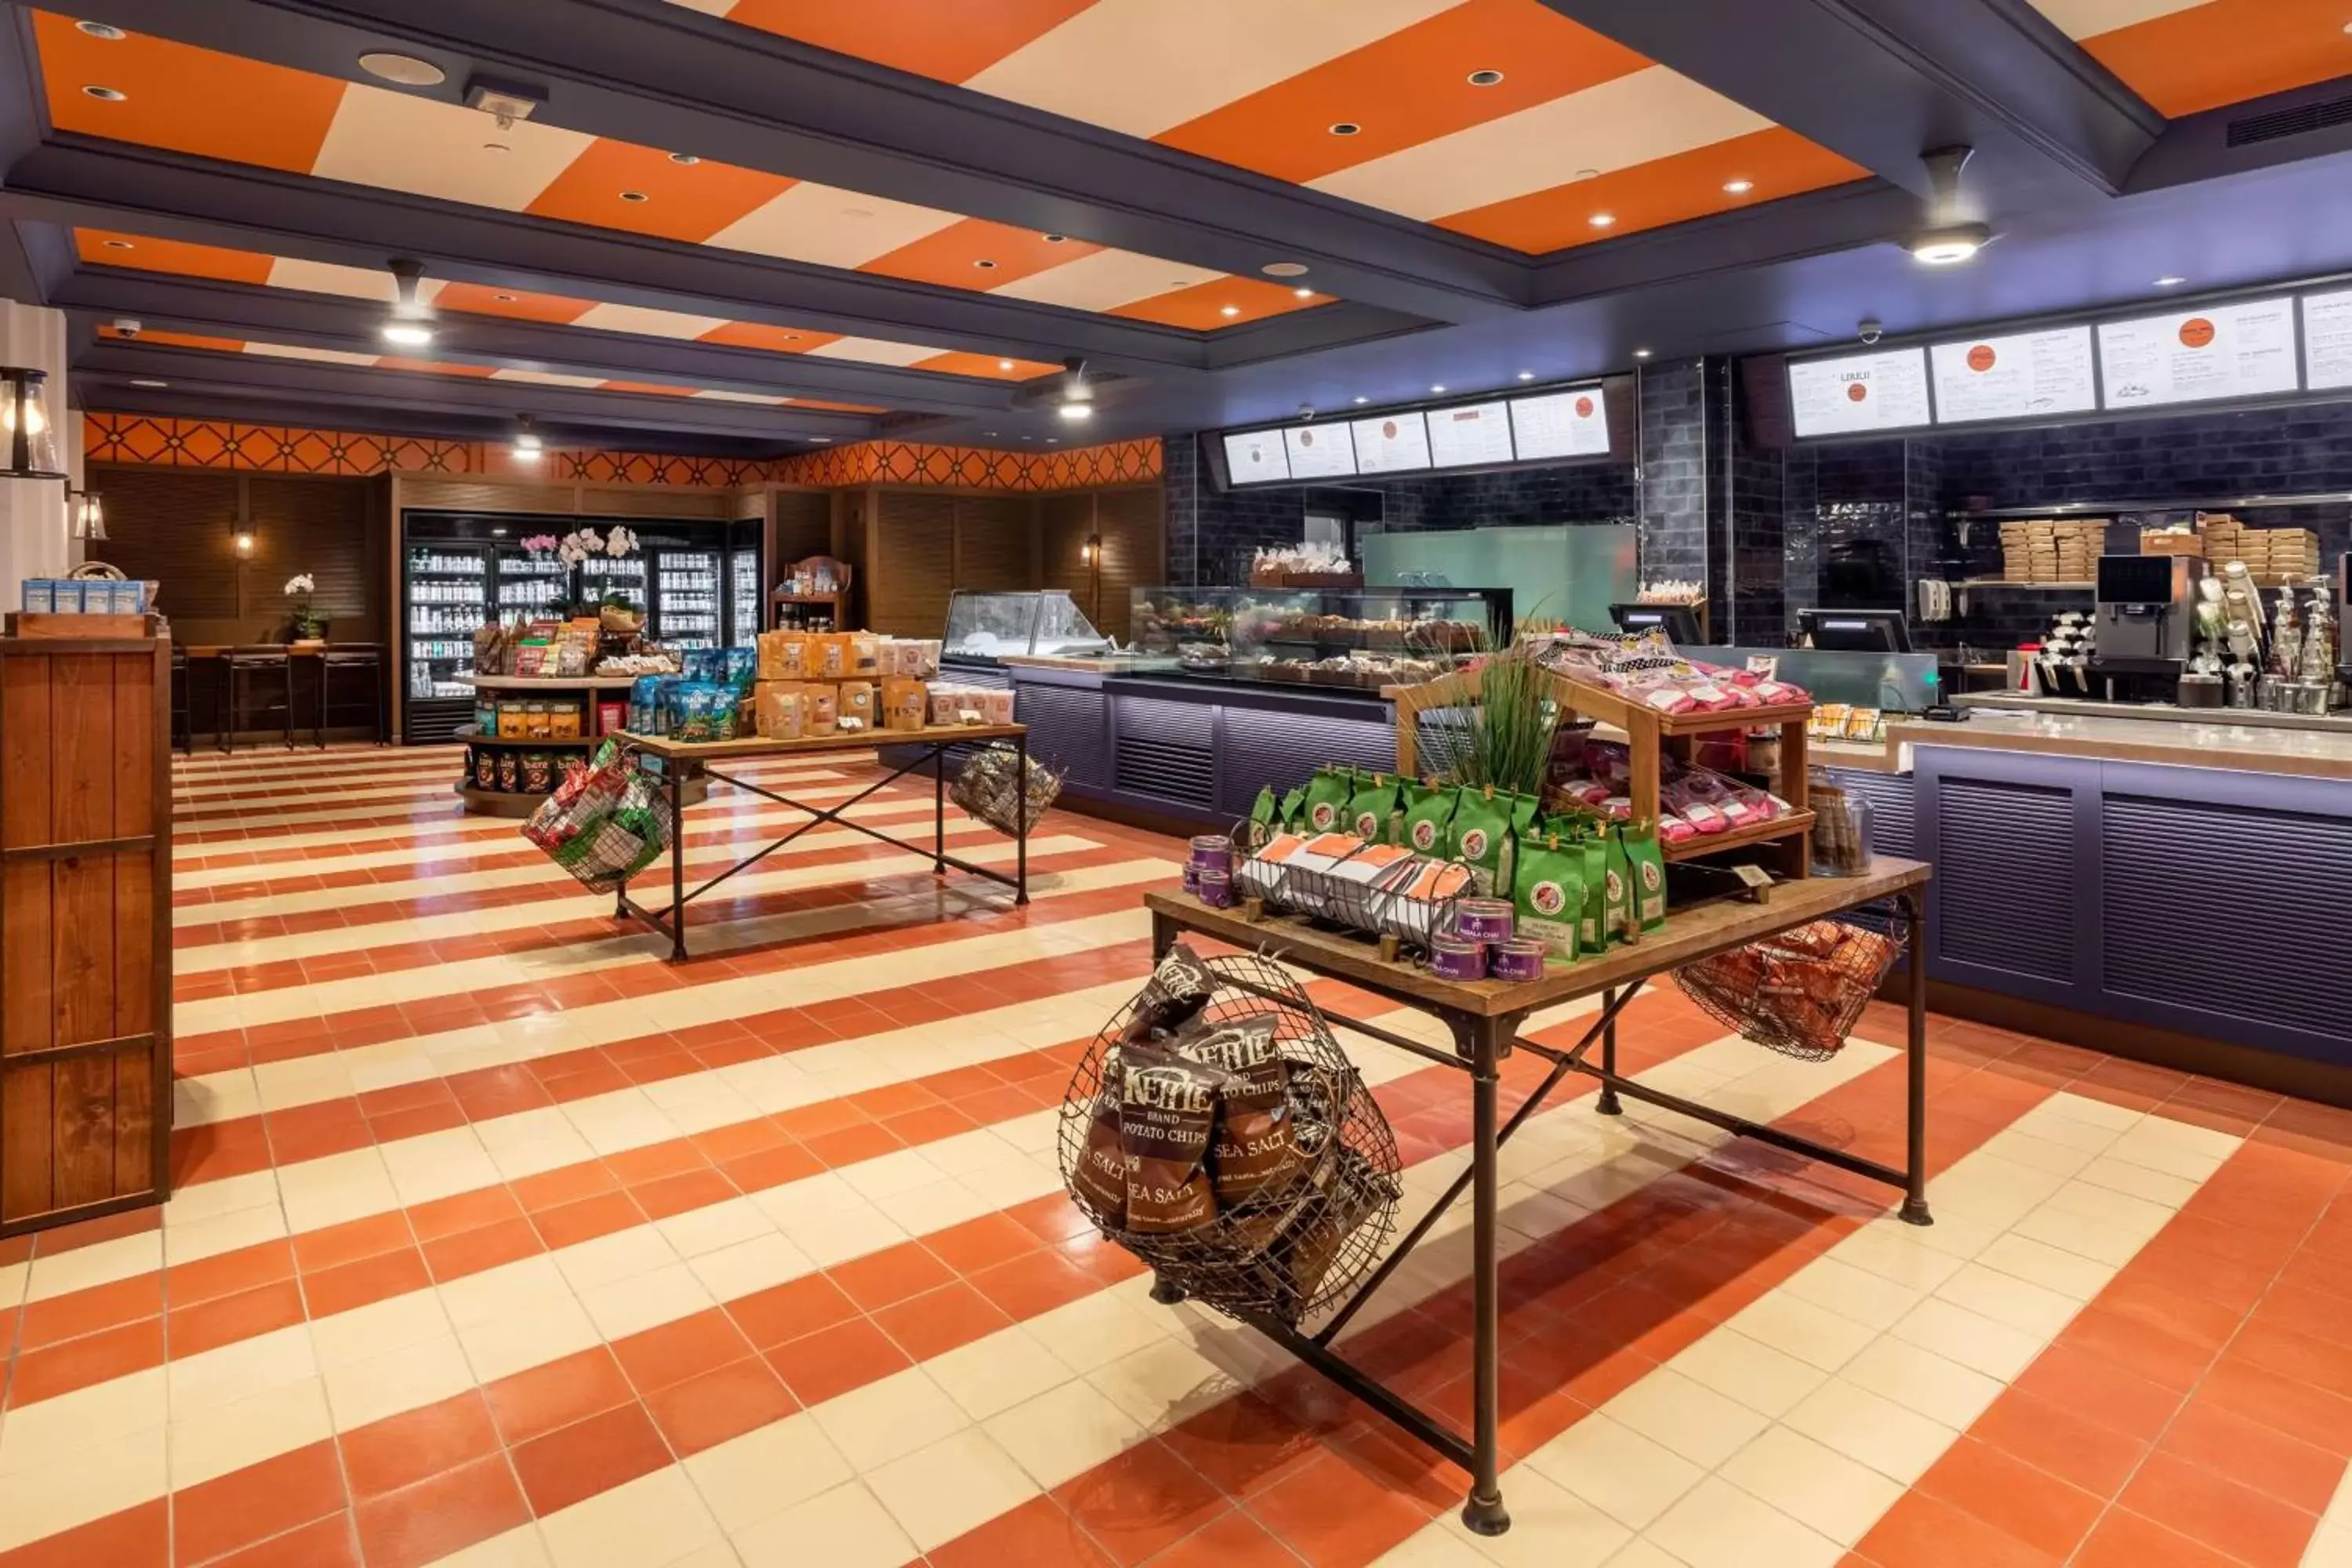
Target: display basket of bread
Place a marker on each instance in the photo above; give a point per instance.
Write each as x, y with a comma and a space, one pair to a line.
1216, 1129
1799, 993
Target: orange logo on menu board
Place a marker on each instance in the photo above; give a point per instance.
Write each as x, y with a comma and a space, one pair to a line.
1857, 392
1981, 358
1306, 437
2196, 332
1389, 429
1584, 408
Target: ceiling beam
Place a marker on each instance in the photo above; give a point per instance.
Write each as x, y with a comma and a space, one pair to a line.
1843, 217
345, 392
661, 74
1881, 81
76, 180
2200, 147
265, 314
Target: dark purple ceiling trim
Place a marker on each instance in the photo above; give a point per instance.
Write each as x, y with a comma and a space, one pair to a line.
278, 315
662, 75
2197, 147
1881, 81
1843, 217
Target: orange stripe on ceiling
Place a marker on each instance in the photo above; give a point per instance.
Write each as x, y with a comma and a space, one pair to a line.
186, 98
2228, 51
515, 304
957, 364
683, 202
649, 388
181, 340
179, 257
950, 40
1202, 306
1650, 195
1408, 87
950, 256
761, 335
837, 407
432, 366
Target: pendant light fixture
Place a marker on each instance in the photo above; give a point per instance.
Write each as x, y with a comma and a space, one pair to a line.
1950, 238
408, 326
28, 435
528, 445
1078, 396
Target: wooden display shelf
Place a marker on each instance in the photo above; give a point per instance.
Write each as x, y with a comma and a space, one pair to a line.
568, 742
1708, 844
79, 628
499, 802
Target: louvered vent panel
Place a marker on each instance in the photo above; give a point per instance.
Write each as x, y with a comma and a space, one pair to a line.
1893, 815
2177, 870
1284, 749
174, 526
1066, 731
913, 571
320, 527
462, 495
425, 720
1166, 750
2300, 121
2005, 876
804, 525
993, 542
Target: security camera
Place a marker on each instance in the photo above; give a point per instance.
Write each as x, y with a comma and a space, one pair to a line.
1306, 411
1869, 330
127, 326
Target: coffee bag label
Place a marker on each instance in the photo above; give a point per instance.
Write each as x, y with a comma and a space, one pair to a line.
1475, 843
1323, 816
1424, 835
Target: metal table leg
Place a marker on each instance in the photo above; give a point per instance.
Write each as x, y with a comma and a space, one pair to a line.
1021, 817
938, 811
1915, 1198
671, 777
1607, 1102
1484, 1512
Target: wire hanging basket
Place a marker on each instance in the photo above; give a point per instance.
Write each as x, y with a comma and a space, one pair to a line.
1799, 993
991, 784
605, 824
1293, 1248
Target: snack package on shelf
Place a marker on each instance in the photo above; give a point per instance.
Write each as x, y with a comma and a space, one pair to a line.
822, 711
861, 656
780, 710
703, 711
1645, 667
906, 702
856, 699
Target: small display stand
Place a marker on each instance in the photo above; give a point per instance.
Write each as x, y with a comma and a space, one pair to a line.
800, 604
584, 695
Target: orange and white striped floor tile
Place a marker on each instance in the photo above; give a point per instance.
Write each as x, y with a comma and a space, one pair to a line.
497, 1241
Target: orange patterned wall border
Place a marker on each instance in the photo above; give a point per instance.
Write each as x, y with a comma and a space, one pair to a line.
283, 449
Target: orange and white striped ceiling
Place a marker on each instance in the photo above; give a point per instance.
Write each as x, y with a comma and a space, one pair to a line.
2188, 56
189, 100
481, 372
106, 248
1579, 139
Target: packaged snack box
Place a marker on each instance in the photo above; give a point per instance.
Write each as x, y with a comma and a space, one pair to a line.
906, 703
823, 710
563, 722
862, 657
780, 709
857, 699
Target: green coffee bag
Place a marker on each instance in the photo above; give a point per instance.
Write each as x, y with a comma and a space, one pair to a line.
1524, 809
1428, 817
1328, 793
1480, 838
1647, 869
1372, 809
1617, 905
1264, 818
1548, 891
1592, 932
1293, 816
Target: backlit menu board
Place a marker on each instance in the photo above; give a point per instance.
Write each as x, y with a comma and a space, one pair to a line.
1561, 425
1472, 434
1319, 451
2022, 375
1255, 457
2240, 350
2327, 340
1860, 394
1390, 443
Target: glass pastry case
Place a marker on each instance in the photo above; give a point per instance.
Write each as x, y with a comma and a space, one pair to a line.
992, 624
1321, 637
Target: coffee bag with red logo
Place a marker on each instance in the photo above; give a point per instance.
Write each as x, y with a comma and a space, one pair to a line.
1428, 817
1372, 809
1328, 793
1547, 892
1168, 1108
1480, 838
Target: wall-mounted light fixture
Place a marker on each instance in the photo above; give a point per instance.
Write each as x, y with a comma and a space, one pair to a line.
1091, 552
241, 541
29, 436
86, 514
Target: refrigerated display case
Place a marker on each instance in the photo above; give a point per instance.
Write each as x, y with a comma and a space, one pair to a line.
688, 601
1358, 637
444, 595
603, 575
746, 585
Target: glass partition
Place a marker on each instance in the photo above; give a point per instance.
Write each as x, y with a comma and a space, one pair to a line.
1571, 571
1893, 682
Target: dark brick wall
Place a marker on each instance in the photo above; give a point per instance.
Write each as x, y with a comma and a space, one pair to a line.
1672, 527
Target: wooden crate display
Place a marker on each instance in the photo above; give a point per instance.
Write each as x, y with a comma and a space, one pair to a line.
1650, 735
84, 932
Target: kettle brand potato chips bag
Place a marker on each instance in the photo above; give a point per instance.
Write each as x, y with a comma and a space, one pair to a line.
1251, 1150
1372, 810
1100, 1176
1480, 838
1328, 793
1179, 988
1647, 867
1547, 892
1168, 1105
1428, 815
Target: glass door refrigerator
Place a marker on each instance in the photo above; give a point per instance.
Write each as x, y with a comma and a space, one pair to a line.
690, 596
602, 575
746, 588
444, 594
530, 586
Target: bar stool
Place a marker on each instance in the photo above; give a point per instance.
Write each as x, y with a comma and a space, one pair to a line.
184, 718
354, 657
262, 659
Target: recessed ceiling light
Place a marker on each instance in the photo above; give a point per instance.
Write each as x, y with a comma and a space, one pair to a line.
144, 380
1028, 437
985, 264
105, 94
1439, 387
1951, 247
688, 159
496, 147
1360, 401
109, 32
1284, 269
634, 196
1641, 353
1056, 238
1485, 78
1527, 376
1603, 220
821, 440
1005, 364
406, 70
2171, 283
1302, 293
1737, 187
1229, 310
120, 245
408, 334
1345, 127
1053, 440
987, 432
503, 299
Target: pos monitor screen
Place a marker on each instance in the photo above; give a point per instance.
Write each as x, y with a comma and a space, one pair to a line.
1680, 623
1857, 631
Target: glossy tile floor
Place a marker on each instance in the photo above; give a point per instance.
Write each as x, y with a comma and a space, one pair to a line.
498, 1241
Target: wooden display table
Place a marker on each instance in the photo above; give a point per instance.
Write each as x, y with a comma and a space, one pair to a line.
683, 764
522, 804
1484, 1017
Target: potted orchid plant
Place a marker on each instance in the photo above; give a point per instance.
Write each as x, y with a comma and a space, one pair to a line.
307, 624
582, 545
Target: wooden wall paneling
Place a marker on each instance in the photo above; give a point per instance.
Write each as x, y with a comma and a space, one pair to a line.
853, 526
482, 495
1134, 551
141, 808
651, 501
912, 571
26, 820
993, 547
173, 526
320, 527
804, 528
1064, 521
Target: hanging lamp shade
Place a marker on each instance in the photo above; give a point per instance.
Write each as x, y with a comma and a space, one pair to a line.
29, 436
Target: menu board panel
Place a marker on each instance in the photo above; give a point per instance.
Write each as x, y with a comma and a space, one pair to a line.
1477, 433
1859, 392
1562, 424
1390, 443
2022, 375
2327, 340
1319, 451
2243, 350
1255, 459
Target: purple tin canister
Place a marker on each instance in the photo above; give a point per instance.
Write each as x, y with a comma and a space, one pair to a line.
1452, 958
1191, 878
1521, 959
1214, 849
1487, 921
1215, 887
